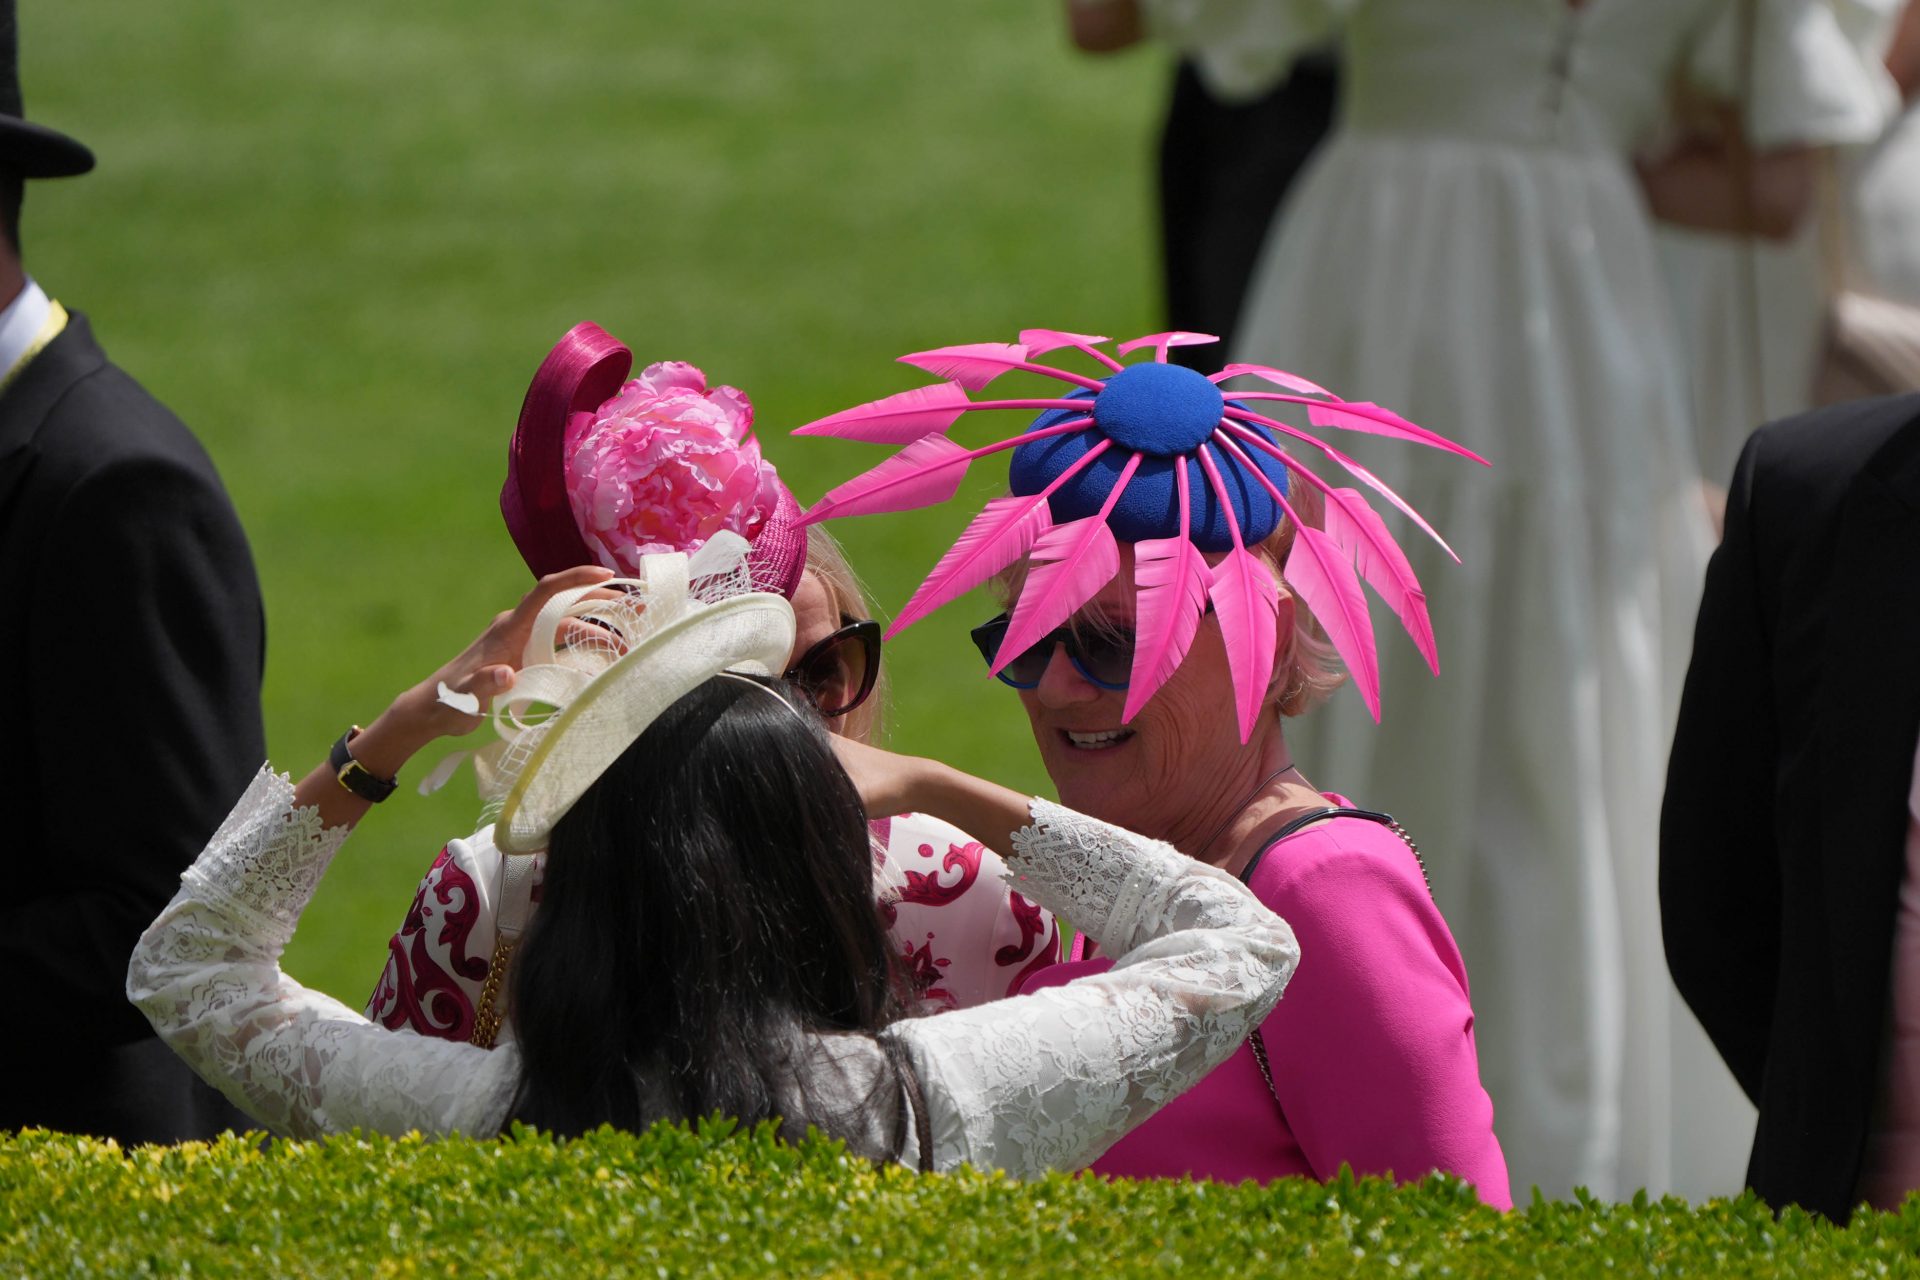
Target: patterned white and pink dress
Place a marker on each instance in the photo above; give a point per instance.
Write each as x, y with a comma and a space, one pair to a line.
962, 933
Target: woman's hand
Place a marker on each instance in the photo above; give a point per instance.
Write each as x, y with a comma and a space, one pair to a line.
483, 670
888, 783
1720, 186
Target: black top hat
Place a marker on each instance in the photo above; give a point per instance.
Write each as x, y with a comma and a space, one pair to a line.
29, 150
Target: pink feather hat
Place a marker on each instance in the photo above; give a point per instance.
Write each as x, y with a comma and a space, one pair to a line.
604, 470
1156, 455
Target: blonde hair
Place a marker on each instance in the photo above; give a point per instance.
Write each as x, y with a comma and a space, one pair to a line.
1306, 669
827, 562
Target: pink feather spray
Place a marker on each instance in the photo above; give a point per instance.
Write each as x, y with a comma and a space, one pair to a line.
925, 472
1070, 564
1170, 579
1246, 599
995, 538
976, 364
1362, 536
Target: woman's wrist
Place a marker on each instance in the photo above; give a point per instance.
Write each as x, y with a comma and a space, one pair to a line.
395, 737
987, 811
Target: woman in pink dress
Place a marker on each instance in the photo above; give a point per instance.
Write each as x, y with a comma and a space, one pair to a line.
1179, 585
604, 469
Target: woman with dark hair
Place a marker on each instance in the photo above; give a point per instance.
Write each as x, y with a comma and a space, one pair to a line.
725, 834
604, 468
707, 939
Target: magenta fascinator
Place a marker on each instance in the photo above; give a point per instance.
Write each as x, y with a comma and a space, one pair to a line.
1157, 455
604, 469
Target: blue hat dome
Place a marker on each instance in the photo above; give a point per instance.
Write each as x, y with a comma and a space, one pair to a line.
1163, 412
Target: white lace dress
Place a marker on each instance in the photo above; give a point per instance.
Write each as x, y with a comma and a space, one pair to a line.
1046, 1081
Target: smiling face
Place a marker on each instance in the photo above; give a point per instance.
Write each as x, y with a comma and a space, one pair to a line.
1179, 768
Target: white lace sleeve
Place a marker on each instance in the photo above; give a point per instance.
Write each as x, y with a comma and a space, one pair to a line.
207, 975
1051, 1080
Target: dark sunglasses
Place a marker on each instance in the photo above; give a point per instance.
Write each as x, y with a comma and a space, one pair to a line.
838, 672
1103, 657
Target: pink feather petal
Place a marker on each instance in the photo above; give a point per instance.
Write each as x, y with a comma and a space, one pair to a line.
1351, 466
1070, 563
1246, 599
1171, 578
1161, 341
901, 418
997, 537
1040, 341
925, 472
1362, 415
1324, 579
1379, 486
1279, 377
976, 364
1362, 535
972, 365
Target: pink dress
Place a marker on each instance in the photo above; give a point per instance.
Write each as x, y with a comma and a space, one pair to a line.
1371, 1048
962, 933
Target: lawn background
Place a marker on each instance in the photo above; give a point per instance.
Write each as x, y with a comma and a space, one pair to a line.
336, 239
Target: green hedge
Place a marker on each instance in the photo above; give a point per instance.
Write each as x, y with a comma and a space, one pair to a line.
673, 1202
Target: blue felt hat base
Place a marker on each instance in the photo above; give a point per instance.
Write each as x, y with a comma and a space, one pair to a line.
1150, 507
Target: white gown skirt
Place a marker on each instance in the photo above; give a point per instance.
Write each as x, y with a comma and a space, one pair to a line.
1509, 297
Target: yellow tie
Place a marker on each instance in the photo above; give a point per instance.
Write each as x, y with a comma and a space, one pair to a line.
50, 328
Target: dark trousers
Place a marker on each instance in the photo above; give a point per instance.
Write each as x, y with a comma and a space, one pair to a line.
1223, 171
134, 1093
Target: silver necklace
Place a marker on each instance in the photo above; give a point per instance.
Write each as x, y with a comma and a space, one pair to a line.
1253, 795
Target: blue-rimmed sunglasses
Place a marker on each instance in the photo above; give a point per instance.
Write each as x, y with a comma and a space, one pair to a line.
1104, 656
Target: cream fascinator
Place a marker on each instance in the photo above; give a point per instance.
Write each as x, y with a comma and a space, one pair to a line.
602, 663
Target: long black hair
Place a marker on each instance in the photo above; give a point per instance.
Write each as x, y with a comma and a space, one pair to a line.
707, 902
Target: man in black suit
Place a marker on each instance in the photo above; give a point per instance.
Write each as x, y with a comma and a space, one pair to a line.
1783, 837
132, 638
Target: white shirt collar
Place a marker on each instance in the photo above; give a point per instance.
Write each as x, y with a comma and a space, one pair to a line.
20, 324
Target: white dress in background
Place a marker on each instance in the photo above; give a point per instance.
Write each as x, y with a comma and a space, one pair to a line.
1880, 185
1751, 314
1470, 248
1038, 1082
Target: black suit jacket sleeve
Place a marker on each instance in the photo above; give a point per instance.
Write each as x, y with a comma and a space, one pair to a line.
145, 647
1719, 867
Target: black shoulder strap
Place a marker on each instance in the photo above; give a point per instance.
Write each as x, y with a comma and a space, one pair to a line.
1307, 820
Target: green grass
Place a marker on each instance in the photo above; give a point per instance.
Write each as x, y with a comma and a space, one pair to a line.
674, 1203
337, 238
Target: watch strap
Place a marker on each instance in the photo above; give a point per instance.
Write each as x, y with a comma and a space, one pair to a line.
353, 776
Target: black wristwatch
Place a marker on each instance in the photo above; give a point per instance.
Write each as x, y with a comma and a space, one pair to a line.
353, 776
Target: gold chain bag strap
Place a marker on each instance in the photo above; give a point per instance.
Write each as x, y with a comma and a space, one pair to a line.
1256, 1041
516, 907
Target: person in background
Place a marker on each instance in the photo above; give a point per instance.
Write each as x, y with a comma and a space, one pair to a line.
1752, 291
1790, 833
134, 642
1473, 245
1225, 164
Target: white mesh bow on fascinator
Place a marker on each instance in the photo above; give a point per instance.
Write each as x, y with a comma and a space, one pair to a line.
602, 663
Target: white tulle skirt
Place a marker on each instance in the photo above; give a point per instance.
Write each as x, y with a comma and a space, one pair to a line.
1509, 297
